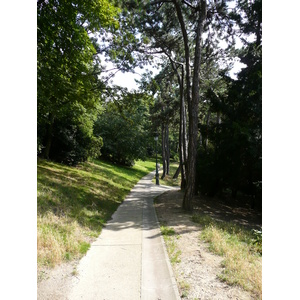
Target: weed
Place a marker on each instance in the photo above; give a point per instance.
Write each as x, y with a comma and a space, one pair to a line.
84, 247
241, 249
184, 288
167, 231
74, 272
170, 239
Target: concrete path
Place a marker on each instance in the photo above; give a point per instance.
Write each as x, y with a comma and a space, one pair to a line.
129, 259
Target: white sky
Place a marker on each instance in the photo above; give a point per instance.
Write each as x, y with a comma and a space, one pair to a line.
128, 79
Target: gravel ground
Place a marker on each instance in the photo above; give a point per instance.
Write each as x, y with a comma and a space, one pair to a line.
197, 272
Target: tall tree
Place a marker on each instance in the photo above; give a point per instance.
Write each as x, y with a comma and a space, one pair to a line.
233, 160
67, 67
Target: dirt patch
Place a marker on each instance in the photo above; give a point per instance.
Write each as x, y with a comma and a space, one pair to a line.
54, 284
197, 272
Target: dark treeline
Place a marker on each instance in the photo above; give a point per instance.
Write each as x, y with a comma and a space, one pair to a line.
207, 121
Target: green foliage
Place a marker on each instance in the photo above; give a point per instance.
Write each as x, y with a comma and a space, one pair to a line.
232, 158
73, 140
124, 128
168, 231
68, 89
84, 247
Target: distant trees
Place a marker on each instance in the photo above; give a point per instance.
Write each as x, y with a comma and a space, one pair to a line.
124, 127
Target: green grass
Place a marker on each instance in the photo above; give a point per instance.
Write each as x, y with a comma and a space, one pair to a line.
168, 180
241, 249
74, 203
170, 238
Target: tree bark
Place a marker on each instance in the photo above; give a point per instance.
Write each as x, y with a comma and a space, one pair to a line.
163, 141
177, 172
193, 112
187, 79
167, 148
49, 137
182, 126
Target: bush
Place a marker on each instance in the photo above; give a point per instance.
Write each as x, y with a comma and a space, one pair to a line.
73, 142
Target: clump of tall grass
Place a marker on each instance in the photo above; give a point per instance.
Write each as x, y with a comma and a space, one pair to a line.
59, 239
241, 249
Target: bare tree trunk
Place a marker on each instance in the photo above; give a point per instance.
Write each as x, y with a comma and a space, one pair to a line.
49, 137
177, 172
188, 85
207, 124
193, 112
182, 126
184, 146
163, 141
167, 148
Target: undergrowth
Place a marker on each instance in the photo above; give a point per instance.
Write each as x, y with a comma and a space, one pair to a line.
241, 249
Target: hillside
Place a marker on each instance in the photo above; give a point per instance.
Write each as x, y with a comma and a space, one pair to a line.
73, 204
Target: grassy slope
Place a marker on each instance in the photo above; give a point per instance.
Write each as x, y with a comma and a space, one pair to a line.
75, 202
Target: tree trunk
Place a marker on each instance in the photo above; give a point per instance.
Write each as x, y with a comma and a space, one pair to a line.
177, 172
182, 127
49, 137
167, 148
193, 101
183, 140
163, 141
193, 113
188, 86
207, 124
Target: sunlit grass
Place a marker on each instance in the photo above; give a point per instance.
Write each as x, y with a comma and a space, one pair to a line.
74, 203
170, 238
241, 250
168, 180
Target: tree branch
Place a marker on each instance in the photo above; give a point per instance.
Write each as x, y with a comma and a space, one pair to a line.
188, 4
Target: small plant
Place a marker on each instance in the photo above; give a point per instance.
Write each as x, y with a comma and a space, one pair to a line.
257, 240
84, 247
167, 231
184, 288
74, 272
170, 238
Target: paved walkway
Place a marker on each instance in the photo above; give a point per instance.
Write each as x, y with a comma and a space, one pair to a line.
129, 259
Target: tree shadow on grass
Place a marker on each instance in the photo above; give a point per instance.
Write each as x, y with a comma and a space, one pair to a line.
88, 199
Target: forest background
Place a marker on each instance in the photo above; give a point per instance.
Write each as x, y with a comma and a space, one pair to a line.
280, 148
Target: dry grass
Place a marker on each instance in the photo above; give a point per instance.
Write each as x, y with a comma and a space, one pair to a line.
75, 202
242, 256
58, 239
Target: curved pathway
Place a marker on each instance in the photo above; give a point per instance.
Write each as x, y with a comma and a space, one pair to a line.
129, 259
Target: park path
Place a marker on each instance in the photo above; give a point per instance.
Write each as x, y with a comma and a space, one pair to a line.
129, 259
